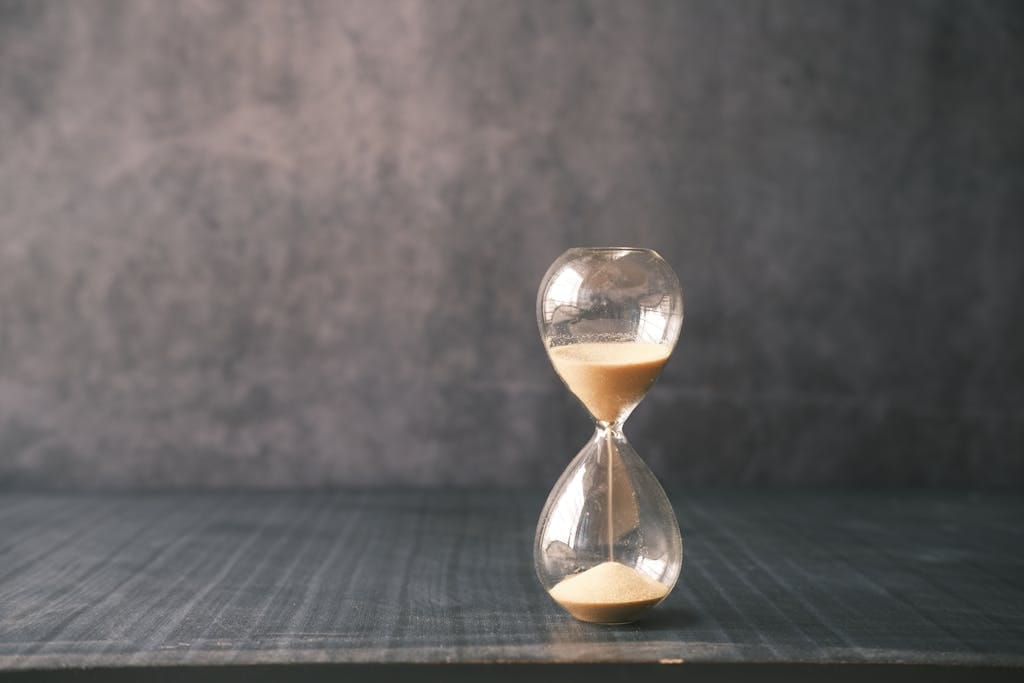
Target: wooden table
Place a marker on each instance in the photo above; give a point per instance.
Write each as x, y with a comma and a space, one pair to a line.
386, 583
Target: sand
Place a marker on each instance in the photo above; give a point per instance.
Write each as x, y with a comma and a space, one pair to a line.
609, 378
610, 593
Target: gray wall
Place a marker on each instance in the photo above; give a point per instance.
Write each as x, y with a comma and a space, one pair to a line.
297, 244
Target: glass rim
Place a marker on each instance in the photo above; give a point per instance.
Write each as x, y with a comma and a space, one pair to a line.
647, 249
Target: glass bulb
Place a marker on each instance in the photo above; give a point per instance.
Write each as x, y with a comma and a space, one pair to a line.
608, 546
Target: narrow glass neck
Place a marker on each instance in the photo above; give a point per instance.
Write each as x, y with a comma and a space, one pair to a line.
603, 428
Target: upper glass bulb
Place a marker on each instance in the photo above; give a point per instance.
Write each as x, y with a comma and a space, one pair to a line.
609, 318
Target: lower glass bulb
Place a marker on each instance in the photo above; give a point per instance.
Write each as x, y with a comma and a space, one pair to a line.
608, 546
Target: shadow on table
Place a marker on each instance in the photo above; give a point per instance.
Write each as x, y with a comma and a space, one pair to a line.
669, 619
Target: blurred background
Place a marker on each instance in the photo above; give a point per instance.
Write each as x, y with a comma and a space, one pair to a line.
297, 244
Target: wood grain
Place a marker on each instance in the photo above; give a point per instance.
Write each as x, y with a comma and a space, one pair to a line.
433, 576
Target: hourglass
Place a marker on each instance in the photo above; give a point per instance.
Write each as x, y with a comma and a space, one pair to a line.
608, 545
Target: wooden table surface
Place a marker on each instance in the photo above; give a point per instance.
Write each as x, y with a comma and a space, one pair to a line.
912, 584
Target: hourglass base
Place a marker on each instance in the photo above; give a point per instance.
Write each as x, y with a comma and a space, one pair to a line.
623, 613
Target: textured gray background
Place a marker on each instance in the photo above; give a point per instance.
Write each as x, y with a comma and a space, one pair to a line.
298, 244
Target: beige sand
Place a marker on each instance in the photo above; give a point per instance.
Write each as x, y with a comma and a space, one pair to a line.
610, 593
609, 377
